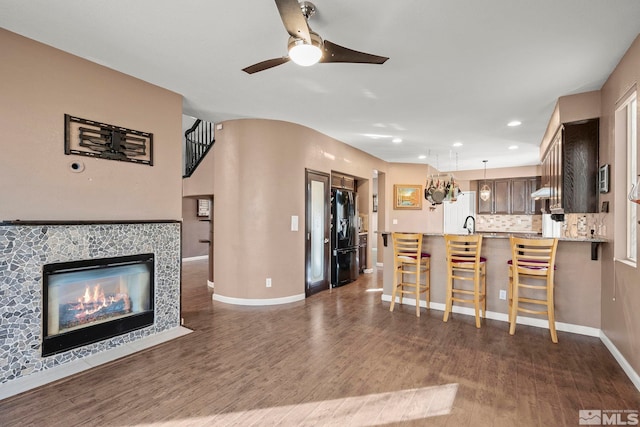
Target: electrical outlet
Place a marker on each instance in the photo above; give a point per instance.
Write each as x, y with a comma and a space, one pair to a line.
503, 294
395, 222
268, 282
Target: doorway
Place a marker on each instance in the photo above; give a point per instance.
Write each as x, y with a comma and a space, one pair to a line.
317, 232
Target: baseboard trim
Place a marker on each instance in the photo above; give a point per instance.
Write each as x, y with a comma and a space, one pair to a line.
210, 284
195, 258
624, 364
258, 301
503, 317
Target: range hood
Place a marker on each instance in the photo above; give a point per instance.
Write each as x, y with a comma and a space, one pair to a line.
542, 193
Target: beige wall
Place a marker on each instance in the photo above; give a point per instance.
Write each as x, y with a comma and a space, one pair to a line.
495, 173
38, 85
620, 282
426, 220
256, 172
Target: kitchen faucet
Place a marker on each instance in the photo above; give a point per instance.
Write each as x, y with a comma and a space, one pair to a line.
470, 228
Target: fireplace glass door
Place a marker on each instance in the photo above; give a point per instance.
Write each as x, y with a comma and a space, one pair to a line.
90, 300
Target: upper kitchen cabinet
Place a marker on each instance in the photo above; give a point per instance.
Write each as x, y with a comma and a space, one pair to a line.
521, 201
570, 168
501, 196
519, 197
344, 182
510, 196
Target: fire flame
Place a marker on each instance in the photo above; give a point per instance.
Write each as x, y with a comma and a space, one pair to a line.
91, 302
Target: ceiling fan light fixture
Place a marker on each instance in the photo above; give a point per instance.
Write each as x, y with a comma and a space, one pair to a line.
304, 54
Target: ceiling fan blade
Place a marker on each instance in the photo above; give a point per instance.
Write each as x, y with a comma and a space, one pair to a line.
265, 65
293, 19
336, 53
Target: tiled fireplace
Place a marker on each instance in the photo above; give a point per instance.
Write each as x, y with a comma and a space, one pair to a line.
28, 250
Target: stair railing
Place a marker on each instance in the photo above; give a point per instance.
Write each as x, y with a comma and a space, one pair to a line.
199, 139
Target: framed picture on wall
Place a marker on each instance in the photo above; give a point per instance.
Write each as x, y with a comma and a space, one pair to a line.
204, 207
603, 180
406, 196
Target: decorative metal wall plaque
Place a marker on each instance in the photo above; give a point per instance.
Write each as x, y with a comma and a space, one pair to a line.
89, 138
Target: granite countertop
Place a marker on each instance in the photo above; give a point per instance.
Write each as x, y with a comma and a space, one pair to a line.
506, 235
494, 235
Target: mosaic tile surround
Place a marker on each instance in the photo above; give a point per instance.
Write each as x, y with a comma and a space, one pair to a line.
24, 249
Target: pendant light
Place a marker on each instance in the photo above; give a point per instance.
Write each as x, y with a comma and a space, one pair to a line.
485, 191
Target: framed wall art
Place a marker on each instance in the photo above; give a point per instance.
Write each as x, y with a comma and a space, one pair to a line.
204, 207
603, 178
406, 196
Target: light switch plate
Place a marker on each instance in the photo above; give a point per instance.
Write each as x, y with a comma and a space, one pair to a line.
294, 222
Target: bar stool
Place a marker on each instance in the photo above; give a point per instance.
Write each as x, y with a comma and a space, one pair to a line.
409, 260
465, 263
532, 259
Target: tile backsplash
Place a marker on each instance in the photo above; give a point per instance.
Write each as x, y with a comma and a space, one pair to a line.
510, 223
574, 225
581, 225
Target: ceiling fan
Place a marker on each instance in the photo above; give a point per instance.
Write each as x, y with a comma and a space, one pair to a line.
305, 46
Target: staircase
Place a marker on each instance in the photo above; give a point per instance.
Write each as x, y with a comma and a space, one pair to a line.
198, 139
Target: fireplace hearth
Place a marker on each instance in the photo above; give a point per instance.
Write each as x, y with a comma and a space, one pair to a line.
87, 301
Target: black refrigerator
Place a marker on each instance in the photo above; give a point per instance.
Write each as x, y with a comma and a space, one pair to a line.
344, 237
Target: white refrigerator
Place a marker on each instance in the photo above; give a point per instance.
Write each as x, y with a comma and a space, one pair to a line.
456, 212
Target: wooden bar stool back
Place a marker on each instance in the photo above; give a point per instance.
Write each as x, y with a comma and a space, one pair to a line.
464, 263
532, 261
409, 263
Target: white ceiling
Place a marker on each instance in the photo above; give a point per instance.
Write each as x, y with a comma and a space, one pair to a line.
458, 70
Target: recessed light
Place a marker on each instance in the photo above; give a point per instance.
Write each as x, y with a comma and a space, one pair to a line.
513, 147
422, 156
396, 140
376, 135
514, 123
457, 144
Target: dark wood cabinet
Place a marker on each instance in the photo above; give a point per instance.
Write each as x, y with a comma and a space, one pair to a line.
521, 201
519, 197
510, 196
502, 196
570, 168
344, 182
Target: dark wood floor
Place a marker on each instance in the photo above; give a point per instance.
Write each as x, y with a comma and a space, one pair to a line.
338, 358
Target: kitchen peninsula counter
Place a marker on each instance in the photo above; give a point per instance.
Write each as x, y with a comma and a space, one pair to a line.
506, 235
577, 278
